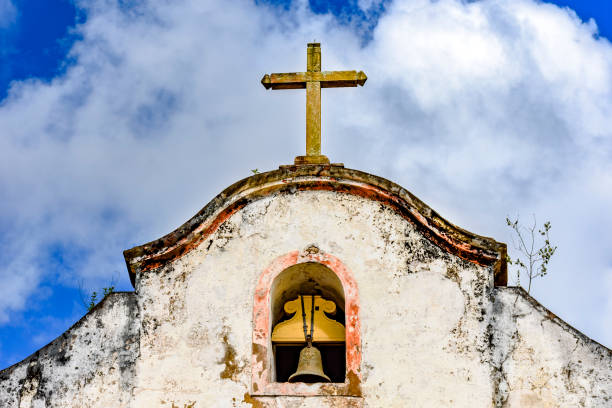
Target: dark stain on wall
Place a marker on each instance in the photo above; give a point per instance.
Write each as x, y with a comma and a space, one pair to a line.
232, 368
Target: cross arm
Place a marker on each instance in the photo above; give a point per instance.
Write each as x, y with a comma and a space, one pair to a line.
328, 79
339, 79
292, 80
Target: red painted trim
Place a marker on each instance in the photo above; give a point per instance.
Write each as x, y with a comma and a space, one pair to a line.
480, 250
261, 360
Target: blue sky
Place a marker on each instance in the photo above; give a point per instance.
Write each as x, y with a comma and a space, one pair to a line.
85, 178
37, 43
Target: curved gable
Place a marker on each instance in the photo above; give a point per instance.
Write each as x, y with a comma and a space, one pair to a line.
287, 179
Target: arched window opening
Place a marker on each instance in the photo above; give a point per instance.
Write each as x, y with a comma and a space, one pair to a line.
308, 297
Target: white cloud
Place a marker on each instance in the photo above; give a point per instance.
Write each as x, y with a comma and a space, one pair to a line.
8, 13
482, 109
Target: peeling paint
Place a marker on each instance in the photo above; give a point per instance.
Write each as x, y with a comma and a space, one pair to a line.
232, 369
427, 322
253, 401
482, 250
262, 384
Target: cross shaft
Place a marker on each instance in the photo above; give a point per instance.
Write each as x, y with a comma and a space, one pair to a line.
313, 80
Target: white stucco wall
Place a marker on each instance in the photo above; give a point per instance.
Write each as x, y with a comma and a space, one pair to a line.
543, 361
426, 316
435, 331
414, 313
90, 365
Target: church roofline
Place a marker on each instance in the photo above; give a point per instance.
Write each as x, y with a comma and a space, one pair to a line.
56, 348
552, 317
469, 246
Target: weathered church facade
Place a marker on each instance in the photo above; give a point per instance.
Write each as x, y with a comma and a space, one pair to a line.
403, 308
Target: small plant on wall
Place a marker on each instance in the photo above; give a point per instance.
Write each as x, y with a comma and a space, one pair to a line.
534, 250
90, 299
94, 300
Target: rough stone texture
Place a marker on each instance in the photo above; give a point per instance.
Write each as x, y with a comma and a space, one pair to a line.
90, 365
435, 330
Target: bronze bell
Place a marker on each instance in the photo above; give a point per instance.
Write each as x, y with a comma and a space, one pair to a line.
310, 367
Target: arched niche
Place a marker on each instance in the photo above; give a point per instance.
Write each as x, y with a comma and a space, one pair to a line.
323, 272
307, 279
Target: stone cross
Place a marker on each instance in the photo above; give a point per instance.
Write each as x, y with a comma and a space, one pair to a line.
313, 80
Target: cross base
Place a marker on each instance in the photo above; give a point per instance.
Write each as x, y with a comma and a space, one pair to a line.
312, 159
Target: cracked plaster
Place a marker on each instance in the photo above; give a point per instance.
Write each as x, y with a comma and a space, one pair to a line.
435, 330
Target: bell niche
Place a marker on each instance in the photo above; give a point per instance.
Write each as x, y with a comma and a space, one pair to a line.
308, 330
